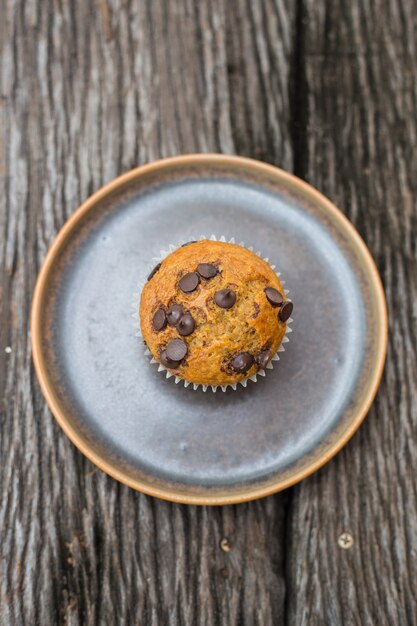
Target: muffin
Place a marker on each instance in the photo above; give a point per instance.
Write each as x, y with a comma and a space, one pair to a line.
213, 313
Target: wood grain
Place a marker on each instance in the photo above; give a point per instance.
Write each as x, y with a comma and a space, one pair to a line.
359, 139
89, 90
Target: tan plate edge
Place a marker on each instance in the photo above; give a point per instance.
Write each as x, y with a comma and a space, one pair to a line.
171, 495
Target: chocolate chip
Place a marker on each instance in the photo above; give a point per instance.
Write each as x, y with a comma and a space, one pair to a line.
256, 310
167, 362
155, 269
242, 362
225, 298
176, 350
285, 311
189, 282
206, 270
186, 325
174, 314
273, 296
174, 353
187, 243
159, 320
262, 359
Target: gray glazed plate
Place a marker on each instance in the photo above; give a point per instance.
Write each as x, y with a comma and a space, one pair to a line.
185, 445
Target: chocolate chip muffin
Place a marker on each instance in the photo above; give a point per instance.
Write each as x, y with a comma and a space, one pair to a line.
213, 313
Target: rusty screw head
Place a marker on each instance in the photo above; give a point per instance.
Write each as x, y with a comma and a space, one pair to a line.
345, 541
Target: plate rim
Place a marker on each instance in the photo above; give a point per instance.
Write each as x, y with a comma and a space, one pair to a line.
248, 492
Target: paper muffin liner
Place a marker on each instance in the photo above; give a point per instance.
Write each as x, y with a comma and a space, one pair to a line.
274, 359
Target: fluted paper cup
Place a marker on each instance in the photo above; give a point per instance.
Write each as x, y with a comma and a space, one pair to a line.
274, 359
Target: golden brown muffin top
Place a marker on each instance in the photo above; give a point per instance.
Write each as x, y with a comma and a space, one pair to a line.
205, 314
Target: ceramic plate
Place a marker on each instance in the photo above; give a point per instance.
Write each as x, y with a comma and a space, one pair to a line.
170, 441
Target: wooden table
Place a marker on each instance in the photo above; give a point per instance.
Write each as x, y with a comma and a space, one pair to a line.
327, 90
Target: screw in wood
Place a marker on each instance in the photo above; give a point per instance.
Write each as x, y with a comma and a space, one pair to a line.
345, 541
225, 545
7, 349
